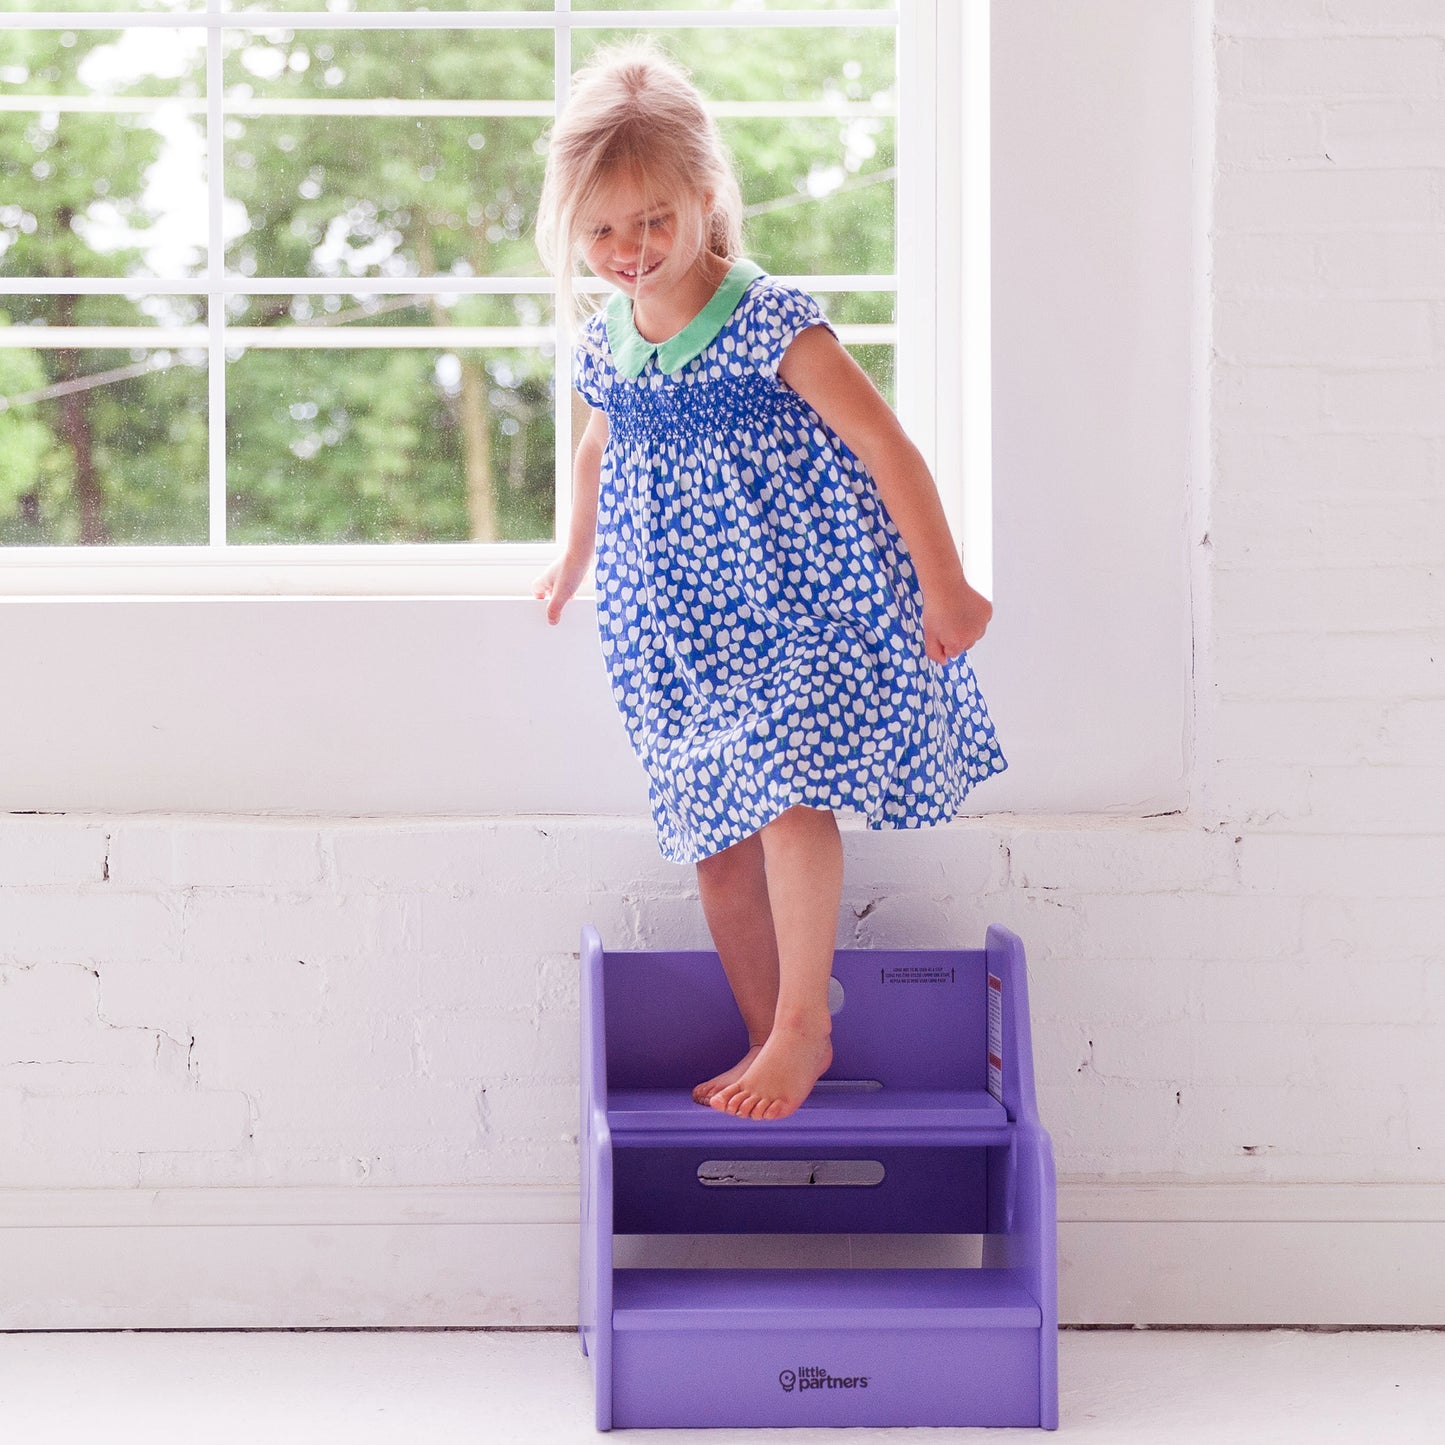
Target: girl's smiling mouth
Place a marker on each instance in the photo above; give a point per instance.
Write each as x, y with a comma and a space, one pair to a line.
632, 274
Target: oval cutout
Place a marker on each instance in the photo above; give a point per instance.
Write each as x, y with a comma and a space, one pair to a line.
835, 995
789, 1173
848, 1086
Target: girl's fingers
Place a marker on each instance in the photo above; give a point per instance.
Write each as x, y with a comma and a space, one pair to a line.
558, 602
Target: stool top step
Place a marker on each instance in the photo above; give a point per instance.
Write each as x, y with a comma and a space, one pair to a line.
865, 1299
642, 1116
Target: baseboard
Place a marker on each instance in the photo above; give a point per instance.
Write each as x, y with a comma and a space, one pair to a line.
1252, 1254
1129, 1254
258, 1258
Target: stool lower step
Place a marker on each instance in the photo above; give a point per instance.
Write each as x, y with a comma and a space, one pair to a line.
827, 1347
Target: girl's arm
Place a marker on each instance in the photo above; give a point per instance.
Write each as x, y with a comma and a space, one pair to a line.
817, 367
558, 583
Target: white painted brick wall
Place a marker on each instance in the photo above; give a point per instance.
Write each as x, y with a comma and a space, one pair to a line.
1253, 993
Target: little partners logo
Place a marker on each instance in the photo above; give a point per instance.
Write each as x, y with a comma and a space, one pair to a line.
816, 1377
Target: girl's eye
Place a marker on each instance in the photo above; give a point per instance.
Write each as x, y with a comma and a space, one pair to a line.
599, 232
657, 221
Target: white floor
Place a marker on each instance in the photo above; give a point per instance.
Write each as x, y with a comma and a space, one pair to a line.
448, 1387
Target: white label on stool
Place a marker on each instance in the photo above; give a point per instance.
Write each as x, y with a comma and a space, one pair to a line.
995, 1037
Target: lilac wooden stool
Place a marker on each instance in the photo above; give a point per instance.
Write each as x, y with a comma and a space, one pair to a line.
924, 1124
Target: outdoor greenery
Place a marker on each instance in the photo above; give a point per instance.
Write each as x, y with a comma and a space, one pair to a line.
365, 443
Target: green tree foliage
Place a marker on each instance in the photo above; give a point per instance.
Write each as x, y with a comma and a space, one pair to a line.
358, 444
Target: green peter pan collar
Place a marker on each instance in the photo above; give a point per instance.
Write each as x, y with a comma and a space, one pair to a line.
631, 351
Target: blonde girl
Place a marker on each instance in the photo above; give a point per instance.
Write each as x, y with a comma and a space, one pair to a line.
783, 615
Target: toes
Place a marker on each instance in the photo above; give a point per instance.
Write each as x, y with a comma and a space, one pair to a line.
744, 1108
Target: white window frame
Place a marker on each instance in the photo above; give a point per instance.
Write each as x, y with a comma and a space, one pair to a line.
942, 297
1099, 650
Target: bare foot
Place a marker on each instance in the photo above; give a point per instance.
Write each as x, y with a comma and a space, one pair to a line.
775, 1084
704, 1092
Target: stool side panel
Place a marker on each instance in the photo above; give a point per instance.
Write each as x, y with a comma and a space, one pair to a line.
595, 1243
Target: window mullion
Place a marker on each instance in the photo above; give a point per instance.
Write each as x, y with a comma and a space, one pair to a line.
966, 184
215, 293
561, 320
916, 223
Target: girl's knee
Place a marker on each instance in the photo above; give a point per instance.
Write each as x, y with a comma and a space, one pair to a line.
802, 813
735, 855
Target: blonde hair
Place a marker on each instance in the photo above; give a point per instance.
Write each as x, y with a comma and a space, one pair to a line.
633, 109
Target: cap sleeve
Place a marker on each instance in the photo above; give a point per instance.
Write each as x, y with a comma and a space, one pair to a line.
779, 314
591, 362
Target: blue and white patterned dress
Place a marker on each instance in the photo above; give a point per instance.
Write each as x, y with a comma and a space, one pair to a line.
760, 617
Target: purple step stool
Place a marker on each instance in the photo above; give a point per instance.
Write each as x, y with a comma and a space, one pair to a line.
924, 1124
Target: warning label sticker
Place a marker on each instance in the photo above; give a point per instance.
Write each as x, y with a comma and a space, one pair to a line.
918, 973
995, 1036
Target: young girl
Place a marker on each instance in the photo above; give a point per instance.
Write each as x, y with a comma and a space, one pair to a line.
783, 616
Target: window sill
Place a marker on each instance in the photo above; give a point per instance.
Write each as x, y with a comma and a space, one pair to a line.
459, 570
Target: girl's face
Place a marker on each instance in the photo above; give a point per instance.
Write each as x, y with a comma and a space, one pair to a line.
639, 242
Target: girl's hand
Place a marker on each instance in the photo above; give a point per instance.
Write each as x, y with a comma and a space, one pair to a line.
954, 618
557, 584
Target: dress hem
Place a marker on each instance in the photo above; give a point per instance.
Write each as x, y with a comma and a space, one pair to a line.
878, 824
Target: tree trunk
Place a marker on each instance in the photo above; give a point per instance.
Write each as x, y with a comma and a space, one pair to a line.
75, 424
476, 429
476, 419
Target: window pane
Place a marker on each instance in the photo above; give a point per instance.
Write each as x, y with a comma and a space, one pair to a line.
179, 7
332, 195
423, 64
148, 60
131, 309
101, 195
733, 4
382, 445
337, 310
837, 64
818, 195
389, 5
872, 308
101, 191
102, 446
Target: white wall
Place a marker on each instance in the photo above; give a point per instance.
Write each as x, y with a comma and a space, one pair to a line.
290, 1071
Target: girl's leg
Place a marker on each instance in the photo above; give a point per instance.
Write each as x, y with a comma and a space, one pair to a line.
734, 892
804, 858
